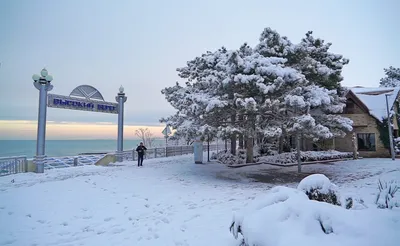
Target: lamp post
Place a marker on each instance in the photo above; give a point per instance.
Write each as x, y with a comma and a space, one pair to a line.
121, 99
390, 128
41, 82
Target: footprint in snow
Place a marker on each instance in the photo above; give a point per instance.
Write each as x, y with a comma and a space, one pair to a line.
8, 242
64, 223
118, 230
41, 221
29, 215
165, 220
10, 213
108, 219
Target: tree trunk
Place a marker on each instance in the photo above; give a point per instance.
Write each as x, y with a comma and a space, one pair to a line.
241, 141
233, 136
250, 139
298, 152
281, 140
226, 145
233, 144
249, 150
241, 136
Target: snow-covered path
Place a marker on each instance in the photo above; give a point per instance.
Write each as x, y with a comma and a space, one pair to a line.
169, 201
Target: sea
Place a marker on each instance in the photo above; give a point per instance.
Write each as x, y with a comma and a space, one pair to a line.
59, 148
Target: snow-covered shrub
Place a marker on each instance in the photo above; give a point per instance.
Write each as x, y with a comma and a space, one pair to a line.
319, 188
354, 203
291, 157
285, 216
268, 149
385, 197
229, 159
397, 145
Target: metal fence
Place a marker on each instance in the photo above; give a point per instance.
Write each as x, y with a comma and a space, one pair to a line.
19, 164
14, 164
131, 155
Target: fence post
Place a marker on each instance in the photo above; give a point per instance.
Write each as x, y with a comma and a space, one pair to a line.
155, 152
25, 164
75, 161
133, 155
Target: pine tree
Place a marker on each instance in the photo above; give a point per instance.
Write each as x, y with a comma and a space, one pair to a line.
392, 78
275, 89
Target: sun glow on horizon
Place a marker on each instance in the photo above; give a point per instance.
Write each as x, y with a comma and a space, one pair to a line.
27, 130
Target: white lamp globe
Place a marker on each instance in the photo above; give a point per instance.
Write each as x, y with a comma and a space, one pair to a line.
35, 77
49, 78
44, 72
121, 89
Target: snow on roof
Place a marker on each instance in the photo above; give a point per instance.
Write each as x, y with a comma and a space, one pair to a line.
374, 99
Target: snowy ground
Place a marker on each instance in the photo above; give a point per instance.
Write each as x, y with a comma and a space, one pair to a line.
169, 201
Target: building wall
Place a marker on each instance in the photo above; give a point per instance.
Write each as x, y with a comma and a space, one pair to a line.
363, 123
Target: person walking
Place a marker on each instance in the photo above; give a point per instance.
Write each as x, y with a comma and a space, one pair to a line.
141, 151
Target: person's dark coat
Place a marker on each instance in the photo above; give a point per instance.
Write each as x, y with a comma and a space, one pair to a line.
141, 150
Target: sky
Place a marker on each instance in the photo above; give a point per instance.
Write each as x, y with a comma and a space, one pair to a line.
139, 45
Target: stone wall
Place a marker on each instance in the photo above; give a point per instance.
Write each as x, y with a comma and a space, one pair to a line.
363, 123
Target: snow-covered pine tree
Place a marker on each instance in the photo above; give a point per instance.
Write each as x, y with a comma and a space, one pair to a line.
324, 70
392, 77
311, 105
200, 102
273, 89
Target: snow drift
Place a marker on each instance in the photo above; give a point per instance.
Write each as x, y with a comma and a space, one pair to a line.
286, 216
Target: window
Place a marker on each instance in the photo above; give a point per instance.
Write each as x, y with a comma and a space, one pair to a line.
366, 141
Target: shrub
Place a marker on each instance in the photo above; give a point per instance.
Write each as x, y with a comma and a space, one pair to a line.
291, 157
229, 159
319, 188
385, 197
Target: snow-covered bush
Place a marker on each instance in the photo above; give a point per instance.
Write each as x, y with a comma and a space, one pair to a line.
285, 216
353, 203
385, 197
229, 159
397, 145
291, 157
319, 188
268, 149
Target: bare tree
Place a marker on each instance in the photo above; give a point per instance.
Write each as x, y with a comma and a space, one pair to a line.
145, 135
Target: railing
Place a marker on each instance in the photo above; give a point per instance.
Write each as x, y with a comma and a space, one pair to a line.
12, 165
69, 161
131, 155
19, 164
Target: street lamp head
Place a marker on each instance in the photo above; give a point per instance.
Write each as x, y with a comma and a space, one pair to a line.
49, 78
121, 89
35, 77
44, 72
